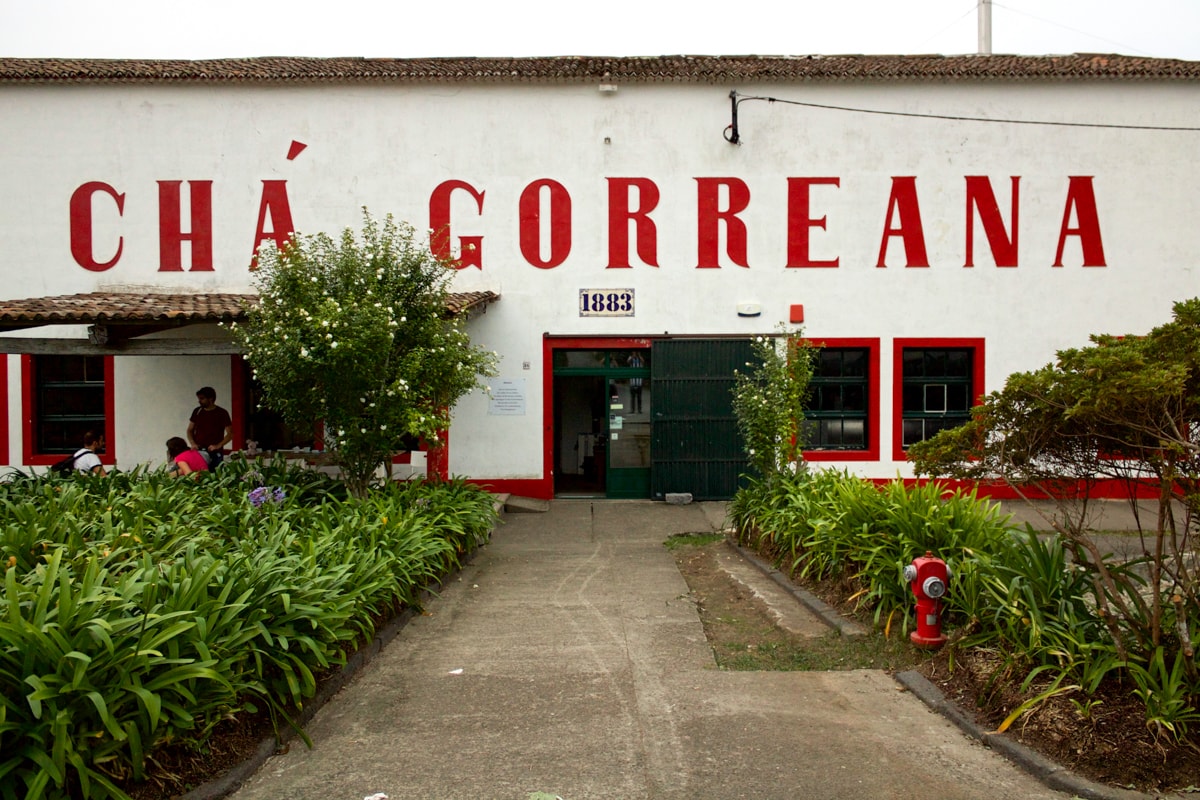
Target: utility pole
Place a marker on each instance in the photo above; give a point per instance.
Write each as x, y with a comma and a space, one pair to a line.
985, 27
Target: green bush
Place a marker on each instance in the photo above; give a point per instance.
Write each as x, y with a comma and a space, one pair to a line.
1011, 590
140, 610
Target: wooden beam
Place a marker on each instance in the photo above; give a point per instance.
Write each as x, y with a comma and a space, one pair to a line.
121, 347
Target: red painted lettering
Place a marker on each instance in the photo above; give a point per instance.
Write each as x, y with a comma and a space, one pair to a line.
981, 197
82, 246
470, 247
620, 215
170, 226
275, 202
531, 223
904, 200
799, 221
1082, 197
709, 218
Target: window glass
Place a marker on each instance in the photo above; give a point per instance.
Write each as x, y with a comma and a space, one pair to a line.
854, 362
937, 391
629, 359
266, 428
68, 401
578, 358
854, 397
837, 407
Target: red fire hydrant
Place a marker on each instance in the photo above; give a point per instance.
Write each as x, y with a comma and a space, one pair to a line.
929, 576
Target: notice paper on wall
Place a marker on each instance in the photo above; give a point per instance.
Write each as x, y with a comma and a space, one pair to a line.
507, 397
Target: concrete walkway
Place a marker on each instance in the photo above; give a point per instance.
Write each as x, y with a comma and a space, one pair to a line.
568, 659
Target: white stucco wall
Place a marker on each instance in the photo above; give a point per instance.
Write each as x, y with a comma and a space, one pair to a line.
154, 398
387, 147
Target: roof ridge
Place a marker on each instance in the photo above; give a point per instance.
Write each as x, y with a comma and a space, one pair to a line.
560, 69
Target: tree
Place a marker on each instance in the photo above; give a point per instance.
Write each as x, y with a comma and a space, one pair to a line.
355, 334
769, 399
1125, 408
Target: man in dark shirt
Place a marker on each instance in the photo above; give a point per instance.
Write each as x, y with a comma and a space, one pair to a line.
210, 427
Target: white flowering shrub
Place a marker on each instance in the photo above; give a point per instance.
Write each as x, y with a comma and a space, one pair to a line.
354, 334
769, 399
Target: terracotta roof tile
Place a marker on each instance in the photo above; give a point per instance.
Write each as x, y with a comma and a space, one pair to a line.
124, 307
130, 307
584, 69
458, 302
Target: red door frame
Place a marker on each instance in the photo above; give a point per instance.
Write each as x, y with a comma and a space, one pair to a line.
543, 488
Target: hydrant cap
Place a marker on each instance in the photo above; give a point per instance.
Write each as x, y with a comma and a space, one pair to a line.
934, 587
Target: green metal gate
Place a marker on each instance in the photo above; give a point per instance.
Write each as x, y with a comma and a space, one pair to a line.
695, 444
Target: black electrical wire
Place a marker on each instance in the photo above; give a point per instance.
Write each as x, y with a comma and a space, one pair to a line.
742, 98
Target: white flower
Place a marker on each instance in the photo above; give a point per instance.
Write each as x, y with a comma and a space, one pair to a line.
333, 346
304, 352
383, 427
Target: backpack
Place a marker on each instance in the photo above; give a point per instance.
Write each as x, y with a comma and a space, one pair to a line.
65, 467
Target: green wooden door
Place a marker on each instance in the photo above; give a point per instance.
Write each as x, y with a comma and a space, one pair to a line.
695, 444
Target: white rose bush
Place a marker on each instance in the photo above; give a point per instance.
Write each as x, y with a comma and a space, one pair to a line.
354, 335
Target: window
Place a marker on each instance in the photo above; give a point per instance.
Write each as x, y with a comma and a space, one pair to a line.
836, 418
842, 412
938, 383
262, 425
68, 396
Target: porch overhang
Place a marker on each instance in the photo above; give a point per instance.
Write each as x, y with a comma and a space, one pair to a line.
119, 322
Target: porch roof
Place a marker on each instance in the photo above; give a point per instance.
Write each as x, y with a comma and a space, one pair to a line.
154, 309
118, 318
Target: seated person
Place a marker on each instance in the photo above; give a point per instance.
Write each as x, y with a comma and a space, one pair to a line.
184, 460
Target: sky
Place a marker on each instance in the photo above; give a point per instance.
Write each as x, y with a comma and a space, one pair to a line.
171, 29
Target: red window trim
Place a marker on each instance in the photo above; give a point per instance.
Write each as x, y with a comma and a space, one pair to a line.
898, 347
29, 410
237, 388
873, 389
5, 456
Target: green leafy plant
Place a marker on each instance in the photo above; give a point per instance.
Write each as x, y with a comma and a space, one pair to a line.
1170, 699
768, 401
140, 615
354, 333
1124, 409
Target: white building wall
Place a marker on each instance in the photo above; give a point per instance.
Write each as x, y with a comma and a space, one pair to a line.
155, 397
388, 146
